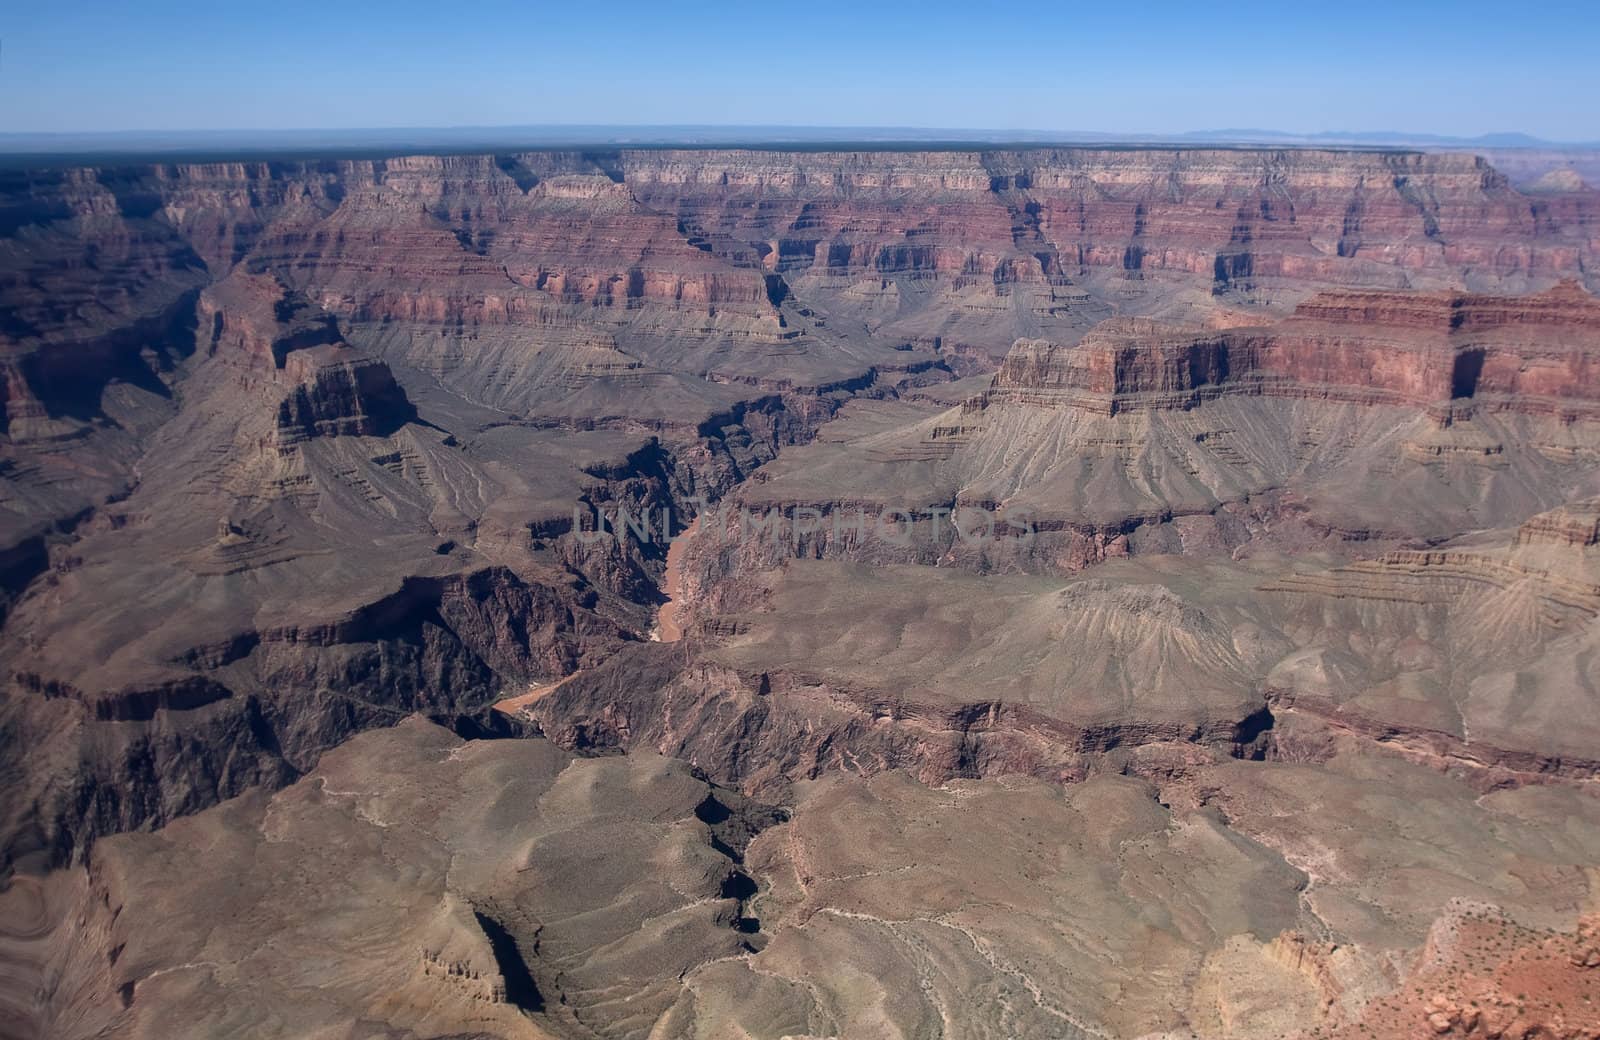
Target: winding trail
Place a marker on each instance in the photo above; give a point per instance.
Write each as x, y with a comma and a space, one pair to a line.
513, 705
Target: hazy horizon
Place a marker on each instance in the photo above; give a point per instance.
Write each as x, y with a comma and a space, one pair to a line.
52, 148
781, 131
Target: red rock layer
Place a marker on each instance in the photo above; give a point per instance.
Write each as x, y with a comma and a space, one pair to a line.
1537, 353
691, 237
1355, 218
1482, 975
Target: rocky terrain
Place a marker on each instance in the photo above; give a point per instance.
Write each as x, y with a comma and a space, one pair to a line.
424, 885
1380, 417
1075, 592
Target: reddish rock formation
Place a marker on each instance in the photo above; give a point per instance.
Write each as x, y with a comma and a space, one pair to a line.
1538, 353
1250, 221
1482, 975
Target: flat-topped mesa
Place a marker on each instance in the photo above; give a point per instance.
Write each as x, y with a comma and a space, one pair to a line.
1446, 351
337, 392
635, 285
1564, 306
1576, 524
293, 354
1121, 361
765, 172
1538, 353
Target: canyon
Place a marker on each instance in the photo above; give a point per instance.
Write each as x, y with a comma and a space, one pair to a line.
1044, 592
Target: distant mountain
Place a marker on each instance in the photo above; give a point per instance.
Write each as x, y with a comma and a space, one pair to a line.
392, 140
1386, 138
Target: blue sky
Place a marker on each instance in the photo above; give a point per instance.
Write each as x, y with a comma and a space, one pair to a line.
1459, 68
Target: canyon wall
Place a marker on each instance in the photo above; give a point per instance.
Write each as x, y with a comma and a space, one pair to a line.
1463, 352
1277, 663
293, 448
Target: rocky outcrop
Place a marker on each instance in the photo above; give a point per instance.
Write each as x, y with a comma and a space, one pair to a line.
274, 342
1575, 525
335, 394
1455, 353
1122, 363
626, 897
1482, 974
489, 927
257, 707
